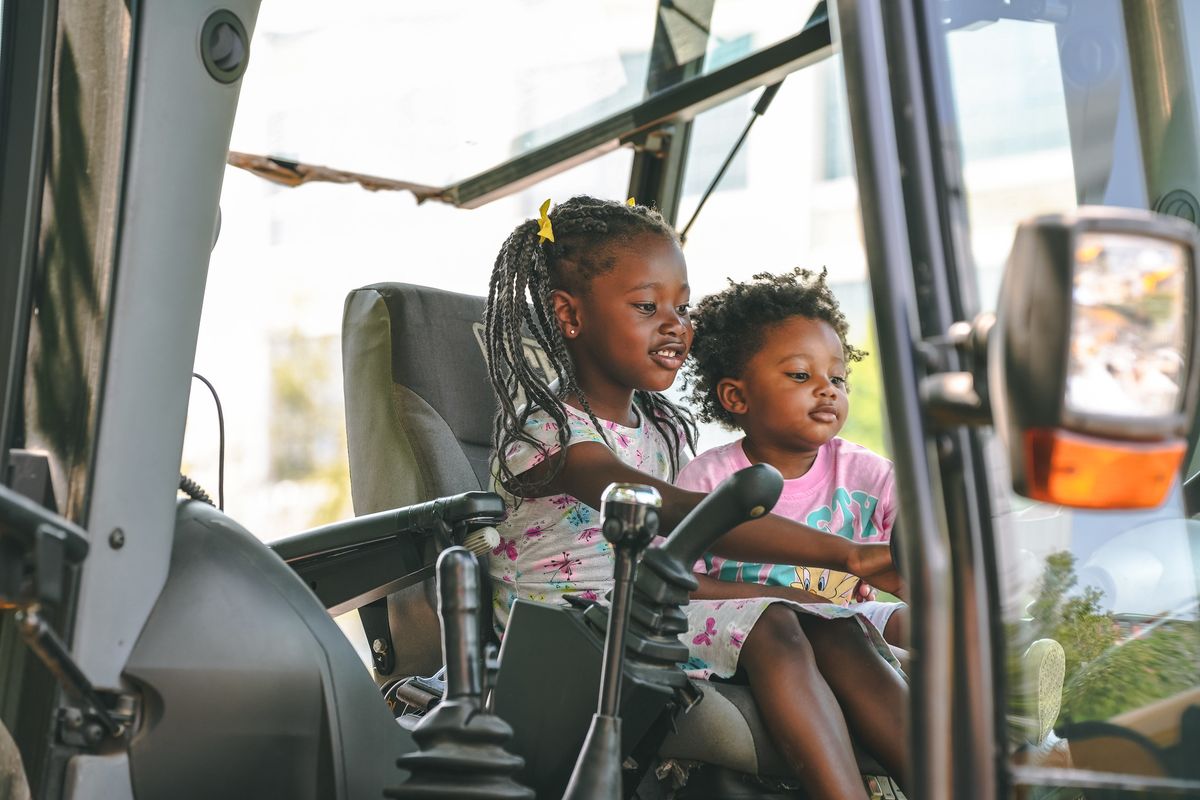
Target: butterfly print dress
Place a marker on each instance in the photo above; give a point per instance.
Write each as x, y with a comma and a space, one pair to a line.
552, 546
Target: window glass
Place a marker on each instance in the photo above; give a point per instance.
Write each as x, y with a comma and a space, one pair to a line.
1012, 171
285, 260
778, 208
740, 27
436, 92
1106, 599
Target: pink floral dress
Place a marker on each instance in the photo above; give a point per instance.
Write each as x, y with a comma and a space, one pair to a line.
551, 546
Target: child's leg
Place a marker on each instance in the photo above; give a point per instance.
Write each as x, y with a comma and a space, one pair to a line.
901, 655
798, 706
895, 632
872, 694
891, 619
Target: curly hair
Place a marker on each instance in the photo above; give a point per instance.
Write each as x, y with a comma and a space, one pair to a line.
588, 233
732, 324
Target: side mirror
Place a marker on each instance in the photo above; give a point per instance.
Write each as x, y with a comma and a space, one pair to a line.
1087, 369
1096, 337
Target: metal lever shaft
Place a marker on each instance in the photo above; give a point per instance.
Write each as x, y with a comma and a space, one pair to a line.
630, 520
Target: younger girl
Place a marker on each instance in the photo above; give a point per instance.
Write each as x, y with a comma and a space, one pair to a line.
771, 359
603, 289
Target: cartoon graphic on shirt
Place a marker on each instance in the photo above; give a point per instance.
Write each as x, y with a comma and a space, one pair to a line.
850, 515
830, 584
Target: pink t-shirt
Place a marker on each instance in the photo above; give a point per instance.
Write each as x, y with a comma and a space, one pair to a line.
849, 491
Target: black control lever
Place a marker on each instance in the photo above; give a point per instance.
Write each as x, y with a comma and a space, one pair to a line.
747, 494
630, 520
665, 579
462, 751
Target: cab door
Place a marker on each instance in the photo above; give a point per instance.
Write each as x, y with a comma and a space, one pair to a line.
967, 118
114, 126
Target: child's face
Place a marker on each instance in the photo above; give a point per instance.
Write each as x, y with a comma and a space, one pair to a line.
792, 392
630, 329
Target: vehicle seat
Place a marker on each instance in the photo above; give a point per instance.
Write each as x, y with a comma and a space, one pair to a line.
419, 414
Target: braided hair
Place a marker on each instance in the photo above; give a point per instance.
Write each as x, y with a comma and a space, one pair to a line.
731, 326
588, 233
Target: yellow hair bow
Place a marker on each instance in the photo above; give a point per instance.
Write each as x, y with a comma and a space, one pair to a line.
631, 202
545, 231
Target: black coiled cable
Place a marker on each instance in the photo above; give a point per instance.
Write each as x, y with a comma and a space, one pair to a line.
193, 490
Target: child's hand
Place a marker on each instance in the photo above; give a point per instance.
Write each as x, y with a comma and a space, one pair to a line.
864, 592
872, 563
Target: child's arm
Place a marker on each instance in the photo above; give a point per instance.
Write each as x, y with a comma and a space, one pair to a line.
590, 467
716, 589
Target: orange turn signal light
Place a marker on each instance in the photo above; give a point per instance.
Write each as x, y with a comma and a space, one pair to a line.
1070, 469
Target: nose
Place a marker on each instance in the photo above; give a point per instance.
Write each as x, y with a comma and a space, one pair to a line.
824, 387
674, 322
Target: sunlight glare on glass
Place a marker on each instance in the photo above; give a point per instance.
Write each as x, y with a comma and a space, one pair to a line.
1128, 348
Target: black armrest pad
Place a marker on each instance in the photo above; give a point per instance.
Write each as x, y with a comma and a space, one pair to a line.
484, 508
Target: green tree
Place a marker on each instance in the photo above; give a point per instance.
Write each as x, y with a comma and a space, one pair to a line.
1135, 673
867, 423
1109, 670
307, 431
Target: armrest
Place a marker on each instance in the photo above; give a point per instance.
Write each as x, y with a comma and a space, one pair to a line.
357, 561
467, 509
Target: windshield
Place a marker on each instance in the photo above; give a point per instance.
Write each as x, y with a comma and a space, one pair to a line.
1092, 104
438, 92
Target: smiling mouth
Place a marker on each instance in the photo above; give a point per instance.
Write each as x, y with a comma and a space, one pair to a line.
670, 357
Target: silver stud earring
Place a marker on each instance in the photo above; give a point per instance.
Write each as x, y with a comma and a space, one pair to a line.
570, 331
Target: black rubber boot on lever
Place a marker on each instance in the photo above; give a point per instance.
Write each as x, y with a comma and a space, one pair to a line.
630, 520
665, 581
462, 753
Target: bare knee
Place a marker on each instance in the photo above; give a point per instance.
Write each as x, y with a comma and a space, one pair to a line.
843, 636
778, 634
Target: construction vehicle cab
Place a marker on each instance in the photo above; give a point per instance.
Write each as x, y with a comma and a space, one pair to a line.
1004, 193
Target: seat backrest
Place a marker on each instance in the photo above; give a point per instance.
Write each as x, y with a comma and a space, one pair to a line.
418, 407
419, 411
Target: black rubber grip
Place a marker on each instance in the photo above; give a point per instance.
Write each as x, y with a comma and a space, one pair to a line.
745, 495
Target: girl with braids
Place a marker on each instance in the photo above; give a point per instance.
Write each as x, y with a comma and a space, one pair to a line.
603, 289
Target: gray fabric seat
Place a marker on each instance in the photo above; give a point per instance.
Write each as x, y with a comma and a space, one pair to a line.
418, 420
725, 729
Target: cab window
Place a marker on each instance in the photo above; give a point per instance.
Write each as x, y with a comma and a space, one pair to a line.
1114, 592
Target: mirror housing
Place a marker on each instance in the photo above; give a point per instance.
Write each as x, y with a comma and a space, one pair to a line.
1090, 369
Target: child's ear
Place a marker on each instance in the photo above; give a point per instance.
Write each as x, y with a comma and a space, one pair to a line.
566, 311
732, 395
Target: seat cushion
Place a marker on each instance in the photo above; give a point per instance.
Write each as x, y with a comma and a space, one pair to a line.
726, 729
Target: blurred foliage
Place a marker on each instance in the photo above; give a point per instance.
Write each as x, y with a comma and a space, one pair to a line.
1113, 664
867, 421
307, 429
